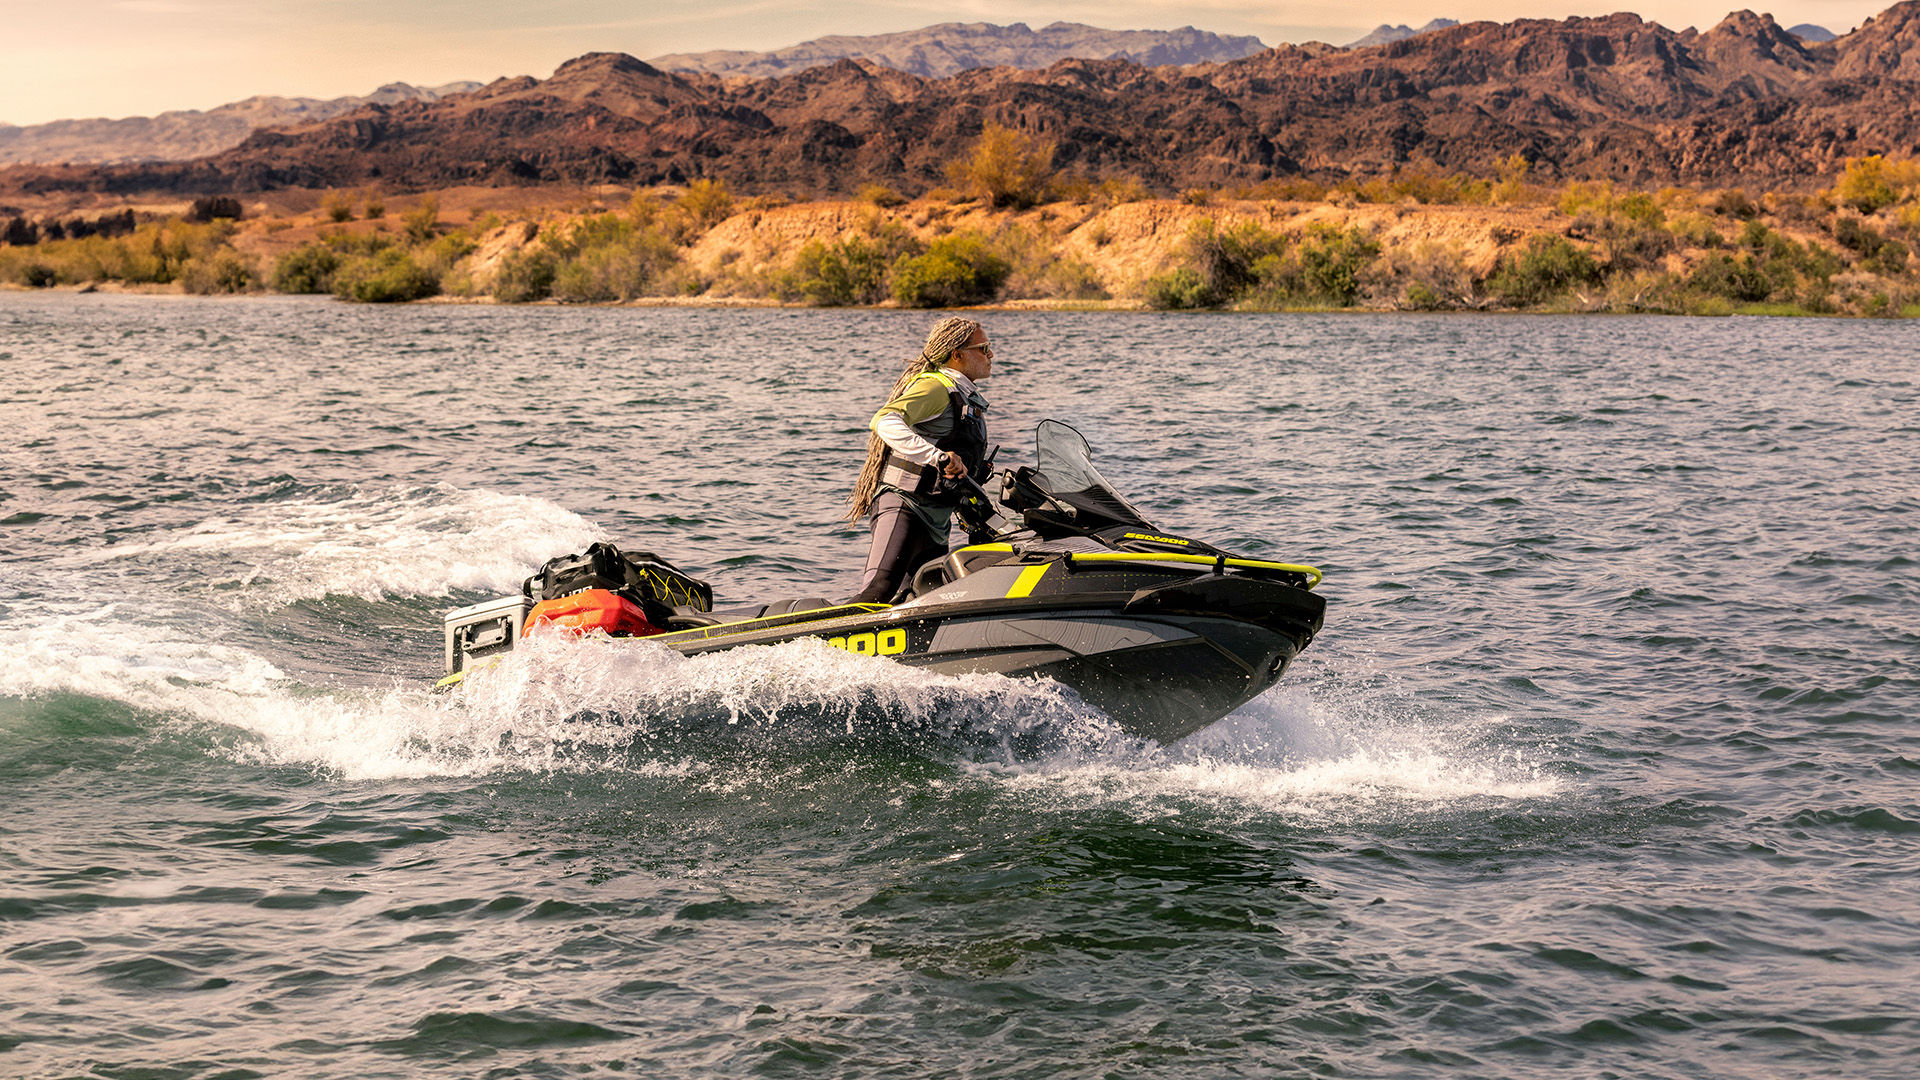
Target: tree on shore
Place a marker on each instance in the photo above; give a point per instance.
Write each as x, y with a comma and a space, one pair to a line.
1010, 169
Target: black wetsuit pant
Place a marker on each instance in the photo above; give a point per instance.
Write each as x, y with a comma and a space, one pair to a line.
901, 544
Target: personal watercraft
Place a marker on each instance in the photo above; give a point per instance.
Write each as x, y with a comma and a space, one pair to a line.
1066, 580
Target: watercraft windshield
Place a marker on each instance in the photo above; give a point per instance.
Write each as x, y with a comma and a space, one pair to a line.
1066, 471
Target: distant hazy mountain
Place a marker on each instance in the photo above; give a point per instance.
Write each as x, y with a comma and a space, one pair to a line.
1812, 34
188, 133
937, 52
1385, 35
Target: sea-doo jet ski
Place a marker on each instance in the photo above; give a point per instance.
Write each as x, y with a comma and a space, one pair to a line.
1165, 634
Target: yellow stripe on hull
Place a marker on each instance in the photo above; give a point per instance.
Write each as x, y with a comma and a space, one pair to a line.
1023, 585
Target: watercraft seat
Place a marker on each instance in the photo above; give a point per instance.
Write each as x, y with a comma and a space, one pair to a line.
688, 618
788, 607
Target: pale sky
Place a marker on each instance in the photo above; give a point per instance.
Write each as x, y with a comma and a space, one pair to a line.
114, 58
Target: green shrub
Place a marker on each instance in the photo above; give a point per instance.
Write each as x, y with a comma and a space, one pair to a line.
1642, 208
600, 259
1871, 183
609, 273
422, 222
1548, 266
851, 270
525, 276
1814, 261
385, 277
1377, 189
1891, 259
1061, 279
1736, 203
1220, 264
350, 243
156, 253
219, 271
1114, 191
1512, 186
34, 274
1878, 254
1790, 268
957, 269
1331, 262
1426, 184
1586, 196
1856, 236
1697, 230
1755, 236
1226, 258
1421, 297
1438, 276
1250, 266
308, 268
441, 255
1289, 189
1650, 292
707, 202
1008, 168
881, 195
1626, 242
135, 261
1322, 267
1814, 298
1179, 289
1039, 270
337, 207
1739, 280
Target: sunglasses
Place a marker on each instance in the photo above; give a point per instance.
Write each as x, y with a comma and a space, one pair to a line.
984, 347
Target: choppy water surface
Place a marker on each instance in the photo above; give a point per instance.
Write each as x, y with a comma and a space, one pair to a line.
1605, 765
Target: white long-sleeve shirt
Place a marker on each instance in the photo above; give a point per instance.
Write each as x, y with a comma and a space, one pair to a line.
892, 425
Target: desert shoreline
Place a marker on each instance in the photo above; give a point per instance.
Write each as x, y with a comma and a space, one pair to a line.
1101, 307
1514, 245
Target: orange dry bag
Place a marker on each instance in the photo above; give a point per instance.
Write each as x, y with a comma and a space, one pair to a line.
589, 610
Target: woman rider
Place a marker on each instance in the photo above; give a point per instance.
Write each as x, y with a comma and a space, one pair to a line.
933, 425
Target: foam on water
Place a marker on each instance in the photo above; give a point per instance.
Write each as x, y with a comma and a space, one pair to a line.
96, 651
601, 704
553, 704
1325, 749
378, 542
1331, 749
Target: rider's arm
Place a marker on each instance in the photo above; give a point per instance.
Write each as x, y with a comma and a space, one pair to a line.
922, 400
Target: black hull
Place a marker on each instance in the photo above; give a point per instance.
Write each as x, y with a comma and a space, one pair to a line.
1163, 661
1205, 669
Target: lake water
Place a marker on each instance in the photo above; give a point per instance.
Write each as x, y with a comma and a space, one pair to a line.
1606, 763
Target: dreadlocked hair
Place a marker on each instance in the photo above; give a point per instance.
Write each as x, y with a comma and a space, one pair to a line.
947, 335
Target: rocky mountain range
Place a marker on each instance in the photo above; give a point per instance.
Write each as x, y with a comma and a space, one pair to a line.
1614, 97
937, 52
190, 133
1387, 34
